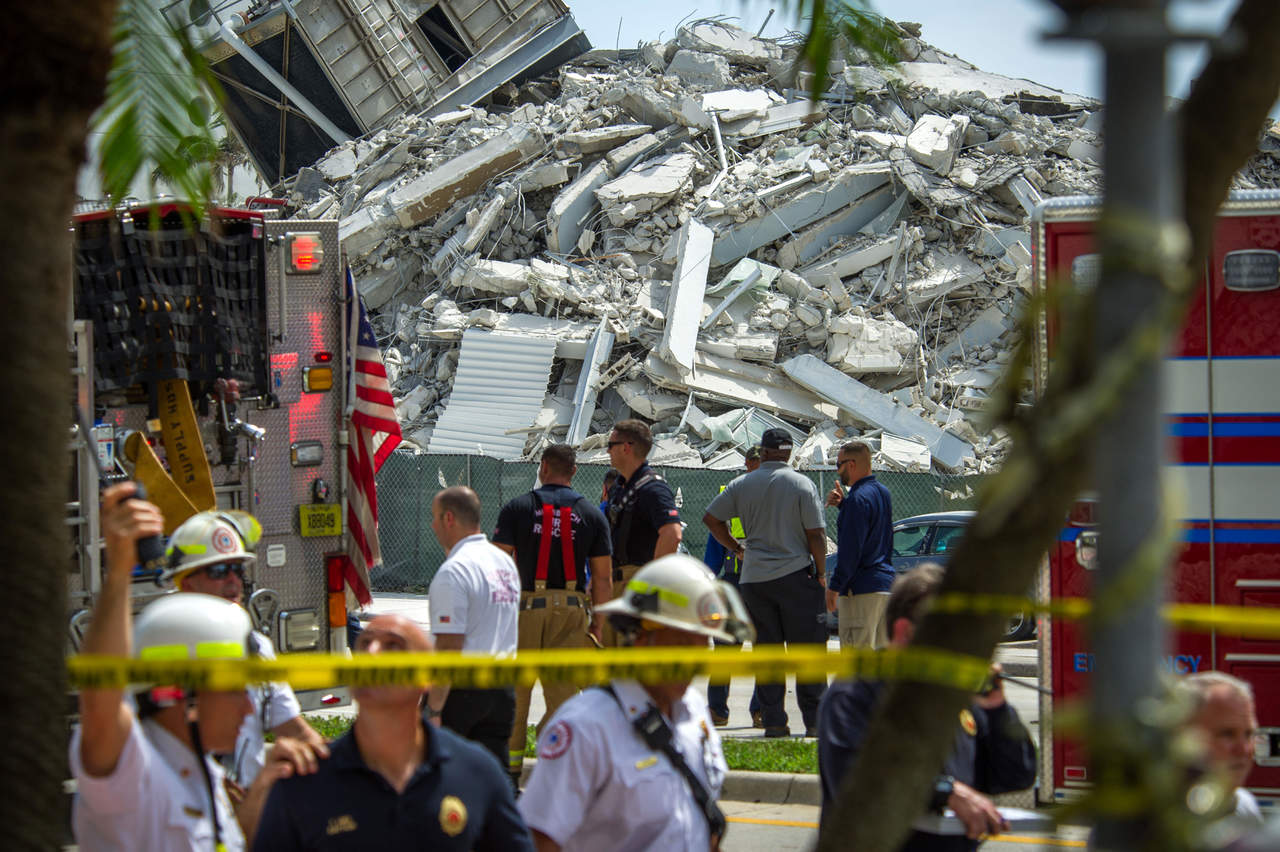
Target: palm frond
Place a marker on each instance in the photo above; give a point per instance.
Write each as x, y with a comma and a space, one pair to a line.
157, 118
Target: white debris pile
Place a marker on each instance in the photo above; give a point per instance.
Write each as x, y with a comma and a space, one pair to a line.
711, 251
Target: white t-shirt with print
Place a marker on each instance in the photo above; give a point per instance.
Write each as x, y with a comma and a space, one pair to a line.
476, 593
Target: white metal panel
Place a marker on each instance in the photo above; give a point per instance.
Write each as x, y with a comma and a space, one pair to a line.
499, 386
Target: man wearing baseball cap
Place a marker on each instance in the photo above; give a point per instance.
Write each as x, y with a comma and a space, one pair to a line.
783, 565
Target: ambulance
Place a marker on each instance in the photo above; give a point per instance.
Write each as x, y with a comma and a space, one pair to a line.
1222, 421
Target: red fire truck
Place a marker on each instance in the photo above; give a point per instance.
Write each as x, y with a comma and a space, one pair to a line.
243, 312
1222, 415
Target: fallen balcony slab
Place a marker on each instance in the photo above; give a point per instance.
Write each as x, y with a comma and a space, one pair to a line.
851, 220
432, 192
740, 383
586, 392
688, 289
875, 409
844, 189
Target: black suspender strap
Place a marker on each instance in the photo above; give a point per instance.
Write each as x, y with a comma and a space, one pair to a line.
620, 515
656, 734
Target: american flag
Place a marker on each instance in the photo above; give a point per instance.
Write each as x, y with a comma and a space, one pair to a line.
375, 432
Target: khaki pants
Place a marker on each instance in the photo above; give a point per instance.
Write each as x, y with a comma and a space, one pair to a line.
862, 620
552, 618
609, 637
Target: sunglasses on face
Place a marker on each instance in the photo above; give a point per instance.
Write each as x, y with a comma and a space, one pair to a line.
613, 444
220, 571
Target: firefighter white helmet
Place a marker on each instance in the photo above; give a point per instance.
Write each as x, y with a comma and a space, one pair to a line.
680, 592
210, 538
191, 627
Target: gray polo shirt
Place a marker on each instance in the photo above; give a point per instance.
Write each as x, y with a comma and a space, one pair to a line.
776, 505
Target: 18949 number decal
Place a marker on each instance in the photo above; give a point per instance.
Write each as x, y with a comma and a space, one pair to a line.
319, 519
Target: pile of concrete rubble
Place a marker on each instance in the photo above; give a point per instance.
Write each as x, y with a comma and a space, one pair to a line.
676, 233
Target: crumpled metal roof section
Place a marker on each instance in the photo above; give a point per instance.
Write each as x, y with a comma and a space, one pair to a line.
499, 386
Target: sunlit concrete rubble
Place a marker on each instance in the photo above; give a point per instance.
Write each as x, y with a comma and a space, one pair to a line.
714, 253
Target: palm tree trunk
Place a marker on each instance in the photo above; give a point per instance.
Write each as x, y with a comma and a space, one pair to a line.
52, 74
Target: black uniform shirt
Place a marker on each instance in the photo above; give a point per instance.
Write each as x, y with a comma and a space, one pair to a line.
651, 507
520, 526
458, 798
992, 753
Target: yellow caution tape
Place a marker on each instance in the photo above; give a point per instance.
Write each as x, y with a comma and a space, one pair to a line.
1251, 621
582, 666
585, 666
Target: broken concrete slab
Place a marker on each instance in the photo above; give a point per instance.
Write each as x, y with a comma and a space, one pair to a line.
649, 404
740, 383
904, 454
572, 207
852, 261
434, 191
491, 276
986, 329
778, 119
950, 271
601, 138
737, 104
586, 390
688, 288
852, 219
809, 206
875, 409
646, 187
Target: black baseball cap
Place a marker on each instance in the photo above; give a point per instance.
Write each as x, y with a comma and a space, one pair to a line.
775, 439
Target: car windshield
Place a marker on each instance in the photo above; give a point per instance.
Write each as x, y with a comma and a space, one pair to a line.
910, 541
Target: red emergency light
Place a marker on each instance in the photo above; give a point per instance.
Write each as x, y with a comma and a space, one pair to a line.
324, 357
306, 252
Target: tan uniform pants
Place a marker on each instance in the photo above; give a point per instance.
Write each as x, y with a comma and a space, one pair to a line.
608, 636
862, 620
552, 618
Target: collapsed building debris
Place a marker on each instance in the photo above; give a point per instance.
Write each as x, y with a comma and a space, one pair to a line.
676, 233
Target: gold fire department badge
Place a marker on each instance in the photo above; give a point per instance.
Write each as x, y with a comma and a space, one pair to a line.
967, 722
453, 816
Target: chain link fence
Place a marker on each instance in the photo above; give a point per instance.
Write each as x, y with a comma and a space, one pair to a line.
407, 483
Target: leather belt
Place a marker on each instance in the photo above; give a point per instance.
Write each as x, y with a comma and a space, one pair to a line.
540, 602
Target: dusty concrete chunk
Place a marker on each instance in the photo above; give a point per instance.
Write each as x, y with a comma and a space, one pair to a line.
433, 191
852, 219
491, 276
542, 177
934, 141
983, 331
339, 164
736, 45
703, 70
861, 344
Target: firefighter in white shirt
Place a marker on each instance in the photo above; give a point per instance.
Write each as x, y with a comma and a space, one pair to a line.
631, 767
145, 779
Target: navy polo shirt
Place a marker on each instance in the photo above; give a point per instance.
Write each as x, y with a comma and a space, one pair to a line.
459, 798
653, 508
864, 540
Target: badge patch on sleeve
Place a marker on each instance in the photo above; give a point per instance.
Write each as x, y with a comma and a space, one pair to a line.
968, 723
556, 741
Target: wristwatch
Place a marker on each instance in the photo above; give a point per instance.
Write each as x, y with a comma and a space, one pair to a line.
943, 786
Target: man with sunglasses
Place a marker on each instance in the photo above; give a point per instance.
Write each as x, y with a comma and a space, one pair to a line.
858, 589
643, 516
208, 554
